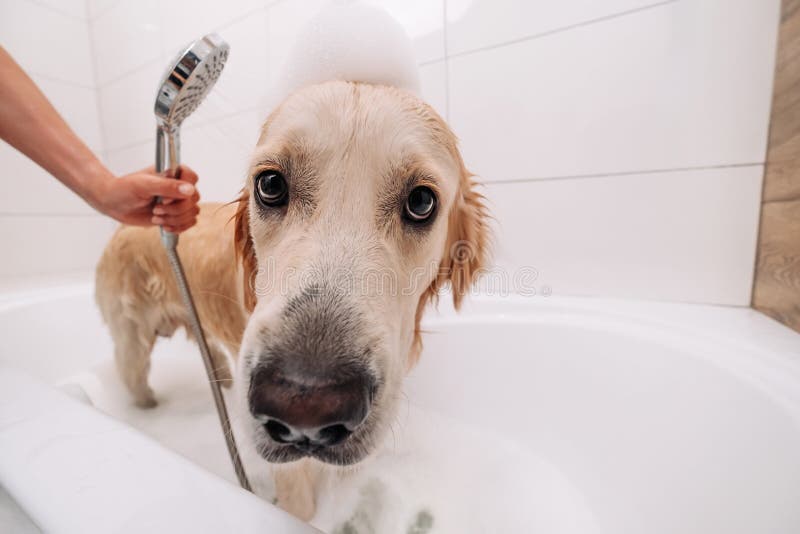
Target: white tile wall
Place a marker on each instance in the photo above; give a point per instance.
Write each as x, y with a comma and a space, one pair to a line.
588, 101
247, 73
74, 8
45, 229
26, 188
286, 18
475, 24
126, 36
124, 160
185, 20
433, 84
95, 8
678, 235
220, 152
52, 244
78, 106
46, 42
538, 90
126, 106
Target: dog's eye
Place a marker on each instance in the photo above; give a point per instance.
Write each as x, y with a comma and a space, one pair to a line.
271, 188
420, 205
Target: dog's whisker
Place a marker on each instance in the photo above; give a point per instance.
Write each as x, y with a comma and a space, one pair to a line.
216, 294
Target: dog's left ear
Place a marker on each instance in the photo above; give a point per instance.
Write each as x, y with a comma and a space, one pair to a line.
467, 247
466, 252
245, 253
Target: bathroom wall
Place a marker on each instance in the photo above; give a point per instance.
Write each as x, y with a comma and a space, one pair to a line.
44, 228
622, 143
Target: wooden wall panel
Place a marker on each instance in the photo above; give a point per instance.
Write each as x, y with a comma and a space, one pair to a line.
776, 289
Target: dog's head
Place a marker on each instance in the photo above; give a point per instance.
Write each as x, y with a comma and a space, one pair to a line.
357, 209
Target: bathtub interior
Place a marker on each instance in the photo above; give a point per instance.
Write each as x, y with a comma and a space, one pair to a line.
13, 517
550, 415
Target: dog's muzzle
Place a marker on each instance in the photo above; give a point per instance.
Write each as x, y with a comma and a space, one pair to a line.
311, 386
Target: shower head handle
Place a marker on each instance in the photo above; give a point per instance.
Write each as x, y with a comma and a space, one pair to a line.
168, 150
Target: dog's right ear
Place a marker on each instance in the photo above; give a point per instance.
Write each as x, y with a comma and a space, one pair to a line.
245, 253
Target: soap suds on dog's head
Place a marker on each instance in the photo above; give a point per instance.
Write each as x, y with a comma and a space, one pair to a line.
350, 41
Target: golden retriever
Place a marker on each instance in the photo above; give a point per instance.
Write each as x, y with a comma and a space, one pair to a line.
357, 209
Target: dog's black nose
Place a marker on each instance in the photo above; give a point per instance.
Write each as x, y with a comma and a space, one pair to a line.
311, 413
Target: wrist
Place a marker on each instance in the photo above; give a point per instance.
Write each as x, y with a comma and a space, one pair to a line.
93, 181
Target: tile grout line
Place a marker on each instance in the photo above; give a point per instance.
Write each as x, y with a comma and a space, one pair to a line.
134, 70
562, 29
164, 52
446, 64
97, 100
103, 11
621, 173
765, 170
428, 62
240, 18
209, 122
52, 9
51, 78
50, 214
792, 198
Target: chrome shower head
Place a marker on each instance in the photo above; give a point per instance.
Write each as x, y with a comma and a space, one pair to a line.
189, 79
183, 87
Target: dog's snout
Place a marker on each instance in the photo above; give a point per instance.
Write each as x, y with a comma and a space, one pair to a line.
308, 412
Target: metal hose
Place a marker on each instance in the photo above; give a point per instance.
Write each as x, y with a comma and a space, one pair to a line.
167, 163
211, 370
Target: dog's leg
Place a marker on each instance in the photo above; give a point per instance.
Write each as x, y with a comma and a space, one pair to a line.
295, 488
133, 344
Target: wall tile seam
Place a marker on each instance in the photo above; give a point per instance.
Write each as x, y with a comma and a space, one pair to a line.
562, 29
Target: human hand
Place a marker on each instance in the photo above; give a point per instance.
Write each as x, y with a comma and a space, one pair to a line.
131, 199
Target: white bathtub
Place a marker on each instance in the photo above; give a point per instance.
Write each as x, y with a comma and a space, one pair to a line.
664, 418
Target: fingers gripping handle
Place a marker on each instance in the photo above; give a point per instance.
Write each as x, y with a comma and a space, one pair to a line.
168, 160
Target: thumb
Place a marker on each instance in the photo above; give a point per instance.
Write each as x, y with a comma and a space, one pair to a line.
166, 187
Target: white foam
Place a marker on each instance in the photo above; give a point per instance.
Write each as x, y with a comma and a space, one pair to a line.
348, 40
438, 470
432, 467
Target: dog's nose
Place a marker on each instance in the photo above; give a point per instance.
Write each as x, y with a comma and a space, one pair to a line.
310, 413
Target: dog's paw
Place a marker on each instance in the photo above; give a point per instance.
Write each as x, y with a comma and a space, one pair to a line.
295, 490
222, 368
302, 508
368, 516
145, 400
422, 523
226, 380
